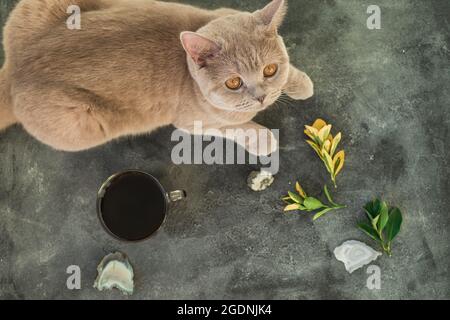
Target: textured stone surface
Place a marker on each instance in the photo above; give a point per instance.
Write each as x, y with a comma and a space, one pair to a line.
387, 90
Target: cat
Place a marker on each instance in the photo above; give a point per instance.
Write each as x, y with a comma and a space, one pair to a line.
137, 65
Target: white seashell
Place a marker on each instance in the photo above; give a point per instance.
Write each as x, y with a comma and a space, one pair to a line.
115, 271
260, 180
355, 255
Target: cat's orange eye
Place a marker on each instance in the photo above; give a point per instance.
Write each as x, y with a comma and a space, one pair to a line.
270, 70
234, 83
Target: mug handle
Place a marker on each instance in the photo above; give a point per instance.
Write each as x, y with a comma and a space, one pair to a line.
177, 195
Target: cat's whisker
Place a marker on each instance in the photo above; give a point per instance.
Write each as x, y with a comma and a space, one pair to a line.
285, 100
289, 103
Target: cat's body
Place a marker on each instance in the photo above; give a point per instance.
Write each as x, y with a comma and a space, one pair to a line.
124, 72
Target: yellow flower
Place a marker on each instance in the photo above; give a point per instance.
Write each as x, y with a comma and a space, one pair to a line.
325, 145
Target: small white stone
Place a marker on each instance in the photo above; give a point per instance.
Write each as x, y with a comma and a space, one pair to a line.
355, 255
115, 271
260, 180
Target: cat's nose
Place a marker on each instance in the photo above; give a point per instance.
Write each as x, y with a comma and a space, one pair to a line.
261, 98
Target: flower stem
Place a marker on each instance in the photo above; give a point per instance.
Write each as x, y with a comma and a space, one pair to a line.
334, 180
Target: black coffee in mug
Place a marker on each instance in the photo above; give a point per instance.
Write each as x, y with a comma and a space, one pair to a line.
132, 205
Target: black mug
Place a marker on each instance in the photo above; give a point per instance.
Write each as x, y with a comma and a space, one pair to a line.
132, 205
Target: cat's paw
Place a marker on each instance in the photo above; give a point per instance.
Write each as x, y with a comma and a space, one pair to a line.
265, 145
301, 88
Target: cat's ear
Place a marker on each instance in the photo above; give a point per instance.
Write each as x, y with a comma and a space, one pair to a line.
199, 48
273, 14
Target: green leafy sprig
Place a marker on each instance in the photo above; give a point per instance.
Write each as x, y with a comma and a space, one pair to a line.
302, 202
384, 223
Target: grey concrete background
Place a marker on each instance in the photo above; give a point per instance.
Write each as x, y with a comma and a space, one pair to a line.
386, 90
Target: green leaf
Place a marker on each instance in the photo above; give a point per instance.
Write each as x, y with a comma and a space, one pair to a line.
377, 206
384, 216
373, 208
295, 197
327, 194
321, 213
394, 224
313, 203
371, 232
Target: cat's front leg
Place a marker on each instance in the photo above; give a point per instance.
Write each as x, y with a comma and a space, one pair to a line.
299, 85
255, 138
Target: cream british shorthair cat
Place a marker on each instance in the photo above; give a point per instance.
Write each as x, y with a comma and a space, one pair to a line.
137, 65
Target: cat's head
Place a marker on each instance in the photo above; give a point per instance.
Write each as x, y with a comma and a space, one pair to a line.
239, 62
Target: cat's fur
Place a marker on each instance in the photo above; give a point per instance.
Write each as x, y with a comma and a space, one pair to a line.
126, 71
